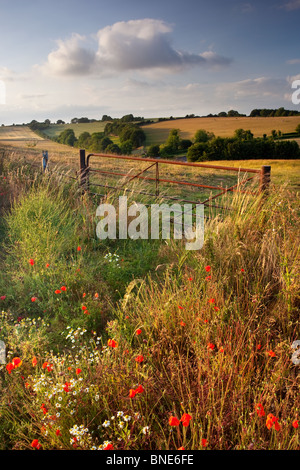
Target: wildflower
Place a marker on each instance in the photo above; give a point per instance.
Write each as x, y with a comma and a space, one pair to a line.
66, 387
132, 393
211, 346
242, 270
208, 278
190, 279
31, 261
271, 353
58, 291
33, 299
182, 323
3, 297
181, 448
79, 248
185, 419
112, 343
78, 371
108, 447
216, 309
35, 444
260, 410
179, 306
96, 295
145, 430
204, 442
258, 346
138, 332
221, 350
83, 308
16, 362
207, 268
9, 367
272, 420
211, 301
106, 424
295, 424
47, 265
34, 361
58, 432
139, 358
63, 288
173, 421
139, 389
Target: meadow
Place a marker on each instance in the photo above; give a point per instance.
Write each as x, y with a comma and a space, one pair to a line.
158, 132
141, 344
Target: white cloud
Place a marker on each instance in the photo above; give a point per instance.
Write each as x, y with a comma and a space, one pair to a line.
293, 61
292, 5
70, 58
133, 45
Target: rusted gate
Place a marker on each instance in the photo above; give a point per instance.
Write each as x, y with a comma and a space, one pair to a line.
262, 175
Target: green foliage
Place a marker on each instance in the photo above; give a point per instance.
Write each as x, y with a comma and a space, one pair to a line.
243, 146
67, 137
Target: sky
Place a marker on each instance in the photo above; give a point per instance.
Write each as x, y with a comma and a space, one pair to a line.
156, 58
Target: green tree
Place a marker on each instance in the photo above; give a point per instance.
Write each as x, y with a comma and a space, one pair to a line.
154, 151
203, 136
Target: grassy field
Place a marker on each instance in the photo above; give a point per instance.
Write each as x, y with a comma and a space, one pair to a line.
55, 129
140, 344
157, 133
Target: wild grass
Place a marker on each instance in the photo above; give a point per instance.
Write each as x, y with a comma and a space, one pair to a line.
143, 330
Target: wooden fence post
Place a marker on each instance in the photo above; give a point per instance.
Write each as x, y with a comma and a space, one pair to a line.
82, 170
265, 178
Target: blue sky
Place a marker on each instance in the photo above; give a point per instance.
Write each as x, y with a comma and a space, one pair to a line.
155, 58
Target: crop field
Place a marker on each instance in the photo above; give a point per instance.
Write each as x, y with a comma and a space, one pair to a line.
157, 133
55, 129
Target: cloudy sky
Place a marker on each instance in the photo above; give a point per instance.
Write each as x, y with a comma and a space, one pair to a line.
61, 59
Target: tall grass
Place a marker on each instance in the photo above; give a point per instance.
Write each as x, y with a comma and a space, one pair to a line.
146, 330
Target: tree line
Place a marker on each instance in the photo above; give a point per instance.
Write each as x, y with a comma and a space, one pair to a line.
242, 146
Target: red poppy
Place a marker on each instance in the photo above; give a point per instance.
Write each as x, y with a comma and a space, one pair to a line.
138, 332
259, 346
58, 291
211, 346
112, 343
16, 362
132, 393
139, 358
84, 307
207, 268
139, 389
78, 371
185, 419
179, 306
272, 421
173, 421
79, 248
3, 297
211, 301
108, 447
208, 278
57, 432
67, 386
35, 444
242, 270
96, 295
33, 299
181, 448
34, 361
47, 265
31, 261
9, 367
295, 424
260, 410
182, 323
271, 353
63, 288
204, 442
